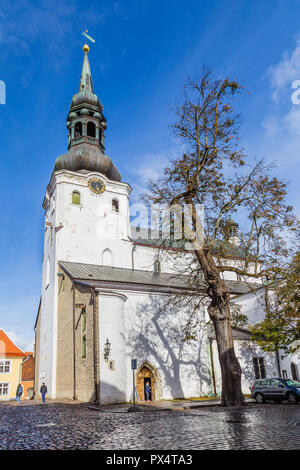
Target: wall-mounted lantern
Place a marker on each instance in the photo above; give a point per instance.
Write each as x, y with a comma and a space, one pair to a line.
107, 349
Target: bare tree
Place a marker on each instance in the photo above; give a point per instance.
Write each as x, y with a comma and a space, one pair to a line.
214, 172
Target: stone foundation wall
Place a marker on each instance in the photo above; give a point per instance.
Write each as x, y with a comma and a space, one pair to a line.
75, 374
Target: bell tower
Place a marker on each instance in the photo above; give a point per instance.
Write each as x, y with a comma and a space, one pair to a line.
86, 126
86, 121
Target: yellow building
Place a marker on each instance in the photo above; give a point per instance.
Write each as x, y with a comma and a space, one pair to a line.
11, 358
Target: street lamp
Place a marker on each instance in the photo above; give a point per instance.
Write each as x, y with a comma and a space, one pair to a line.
107, 349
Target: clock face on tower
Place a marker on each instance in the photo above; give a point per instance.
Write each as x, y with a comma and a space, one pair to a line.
96, 185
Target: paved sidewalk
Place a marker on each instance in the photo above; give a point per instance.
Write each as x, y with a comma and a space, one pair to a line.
163, 405
189, 404
64, 426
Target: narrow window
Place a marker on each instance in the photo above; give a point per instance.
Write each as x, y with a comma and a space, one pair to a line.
107, 257
76, 198
294, 371
83, 346
172, 225
259, 367
115, 205
78, 129
83, 328
91, 129
156, 266
262, 367
83, 320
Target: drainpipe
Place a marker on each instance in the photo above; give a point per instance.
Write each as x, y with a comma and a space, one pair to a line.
212, 367
34, 380
96, 391
132, 254
74, 352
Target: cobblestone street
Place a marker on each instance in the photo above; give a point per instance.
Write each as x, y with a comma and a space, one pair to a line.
75, 426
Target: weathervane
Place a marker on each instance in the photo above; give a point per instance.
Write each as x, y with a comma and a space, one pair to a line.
87, 36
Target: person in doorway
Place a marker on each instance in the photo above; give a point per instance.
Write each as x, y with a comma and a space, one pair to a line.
43, 391
19, 393
147, 391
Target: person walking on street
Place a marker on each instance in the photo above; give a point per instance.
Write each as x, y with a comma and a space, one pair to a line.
148, 391
43, 391
19, 393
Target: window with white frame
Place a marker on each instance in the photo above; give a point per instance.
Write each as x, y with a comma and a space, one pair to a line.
259, 367
5, 367
4, 387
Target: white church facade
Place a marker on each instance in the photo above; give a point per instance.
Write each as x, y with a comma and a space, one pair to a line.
104, 298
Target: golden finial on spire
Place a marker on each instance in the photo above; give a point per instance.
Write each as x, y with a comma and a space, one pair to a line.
86, 48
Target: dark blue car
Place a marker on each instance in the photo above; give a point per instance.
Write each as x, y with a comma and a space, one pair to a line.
276, 389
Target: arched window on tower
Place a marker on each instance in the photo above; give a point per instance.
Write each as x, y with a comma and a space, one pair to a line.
100, 136
107, 257
78, 129
91, 129
76, 198
115, 205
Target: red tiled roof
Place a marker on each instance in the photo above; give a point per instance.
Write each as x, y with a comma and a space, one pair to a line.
8, 347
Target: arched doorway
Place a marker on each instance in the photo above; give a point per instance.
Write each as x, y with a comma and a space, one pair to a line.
148, 374
294, 371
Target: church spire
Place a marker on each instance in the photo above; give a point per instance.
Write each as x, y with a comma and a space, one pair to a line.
86, 126
86, 121
86, 83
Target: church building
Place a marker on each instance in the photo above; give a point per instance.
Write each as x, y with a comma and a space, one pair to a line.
104, 297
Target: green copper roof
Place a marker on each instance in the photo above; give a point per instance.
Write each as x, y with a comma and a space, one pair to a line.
86, 83
95, 272
86, 148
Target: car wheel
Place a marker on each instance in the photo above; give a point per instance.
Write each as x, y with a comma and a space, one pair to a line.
259, 398
292, 398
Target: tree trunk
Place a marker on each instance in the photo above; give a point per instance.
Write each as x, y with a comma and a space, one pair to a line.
219, 312
230, 368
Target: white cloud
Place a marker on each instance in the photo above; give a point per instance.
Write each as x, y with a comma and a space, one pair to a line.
286, 71
17, 317
283, 115
271, 126
21, 342
291, 121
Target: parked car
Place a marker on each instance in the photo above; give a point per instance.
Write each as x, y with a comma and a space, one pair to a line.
276, 389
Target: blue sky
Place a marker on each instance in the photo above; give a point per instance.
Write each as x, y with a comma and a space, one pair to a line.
144, 52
